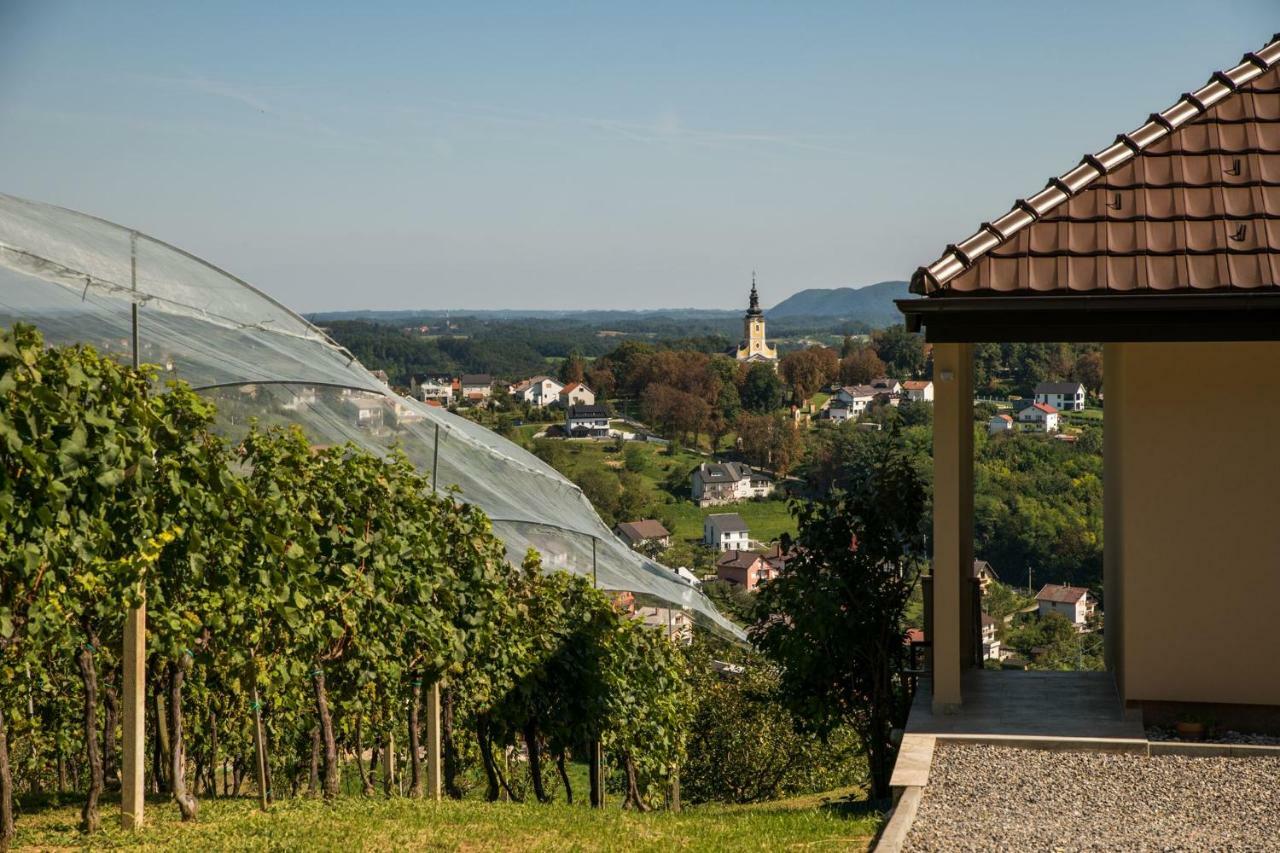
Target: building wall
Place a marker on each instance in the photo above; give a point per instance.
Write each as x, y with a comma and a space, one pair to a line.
1192, 491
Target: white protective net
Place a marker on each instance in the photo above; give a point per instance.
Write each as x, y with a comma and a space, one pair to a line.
76, 277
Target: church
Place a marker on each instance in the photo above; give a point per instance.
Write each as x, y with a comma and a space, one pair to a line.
754, 347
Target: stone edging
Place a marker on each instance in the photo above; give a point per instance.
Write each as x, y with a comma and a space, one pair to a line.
894, 834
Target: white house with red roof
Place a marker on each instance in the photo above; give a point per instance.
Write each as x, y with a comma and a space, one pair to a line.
999, 423
1039, 417
1073, 602
577, 394
918, 390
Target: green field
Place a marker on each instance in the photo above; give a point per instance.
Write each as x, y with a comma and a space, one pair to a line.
766, 519
819, 822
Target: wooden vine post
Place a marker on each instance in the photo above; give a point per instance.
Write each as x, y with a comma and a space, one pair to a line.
434, 776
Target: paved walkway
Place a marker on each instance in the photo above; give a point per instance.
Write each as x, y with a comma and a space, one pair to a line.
1012, 703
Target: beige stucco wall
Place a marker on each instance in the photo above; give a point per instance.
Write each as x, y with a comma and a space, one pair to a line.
1193, 521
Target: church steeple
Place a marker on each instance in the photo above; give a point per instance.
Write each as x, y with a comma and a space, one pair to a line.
754, 309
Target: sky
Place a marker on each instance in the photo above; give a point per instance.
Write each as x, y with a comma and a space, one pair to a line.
578, 155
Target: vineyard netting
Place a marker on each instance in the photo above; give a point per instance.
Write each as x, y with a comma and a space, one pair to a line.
78, 279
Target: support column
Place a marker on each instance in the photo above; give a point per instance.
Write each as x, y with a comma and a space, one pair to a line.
1112, 507
952, 520
434, 776
134, 701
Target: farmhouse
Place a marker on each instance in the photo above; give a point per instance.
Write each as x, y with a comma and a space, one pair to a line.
643, 532
474, 386
854, 398
577, 394
726, 482
586, 422
1073, 602
538, 391
1039, 417
1063, 396
918, 390
746, 569
725, 531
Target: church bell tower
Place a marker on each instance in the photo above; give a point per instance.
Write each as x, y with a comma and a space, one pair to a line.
754, 345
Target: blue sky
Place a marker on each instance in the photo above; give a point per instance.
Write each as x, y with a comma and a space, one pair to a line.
594, 155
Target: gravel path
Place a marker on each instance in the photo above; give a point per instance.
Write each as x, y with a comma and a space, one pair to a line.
1000, 798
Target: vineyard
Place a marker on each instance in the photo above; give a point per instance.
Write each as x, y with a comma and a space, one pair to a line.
301, 600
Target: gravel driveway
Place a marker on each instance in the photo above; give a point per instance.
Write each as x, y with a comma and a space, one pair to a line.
1000, 798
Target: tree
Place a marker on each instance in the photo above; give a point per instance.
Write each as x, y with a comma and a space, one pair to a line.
770, 440
573, 368
834, 614
761, 391
860, 366
808, 370
901, 350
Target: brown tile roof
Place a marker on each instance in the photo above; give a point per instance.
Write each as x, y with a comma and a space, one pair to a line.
1061, 594
1190, 202
916, 384
645, 528
1044, 407
738, 559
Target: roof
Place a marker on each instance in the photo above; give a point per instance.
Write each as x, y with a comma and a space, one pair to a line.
1067, 388
916, 384
573, 386
987, 619
861, 390
1042, 407
1168, 234
1183, 203
738, 560
646, 528
1008, 418
725, 522
981, 567
1061, 594
477, 379
576, 412
723, 472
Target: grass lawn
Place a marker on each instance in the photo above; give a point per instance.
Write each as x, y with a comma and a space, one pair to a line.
1089, 415
820, 822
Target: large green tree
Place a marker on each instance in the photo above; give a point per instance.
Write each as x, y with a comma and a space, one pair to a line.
833, 617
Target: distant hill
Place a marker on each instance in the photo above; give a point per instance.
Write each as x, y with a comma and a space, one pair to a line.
872, 304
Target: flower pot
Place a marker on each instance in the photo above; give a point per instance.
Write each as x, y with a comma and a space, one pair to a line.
1191, 731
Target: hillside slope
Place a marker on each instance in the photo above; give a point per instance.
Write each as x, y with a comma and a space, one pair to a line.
872, 304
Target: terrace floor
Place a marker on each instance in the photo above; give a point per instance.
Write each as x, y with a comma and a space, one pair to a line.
1017, 705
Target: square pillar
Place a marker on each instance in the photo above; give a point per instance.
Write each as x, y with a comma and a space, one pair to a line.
133, 757
952, 521
434, 775
1113, 438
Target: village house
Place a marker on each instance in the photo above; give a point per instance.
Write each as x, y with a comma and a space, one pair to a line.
999, 423
537, 391
725, 531
577, 394
918, 390
430, 388
366, 408
1073, 602
586, 422
746, 569
1063, 396
856, 398
984, 575
726, 482
885, 385
643, 532
1038, 417
302, 398
777, 558
474, 387
990, 643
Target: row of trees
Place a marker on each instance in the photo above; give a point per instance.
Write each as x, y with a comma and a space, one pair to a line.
299, 600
